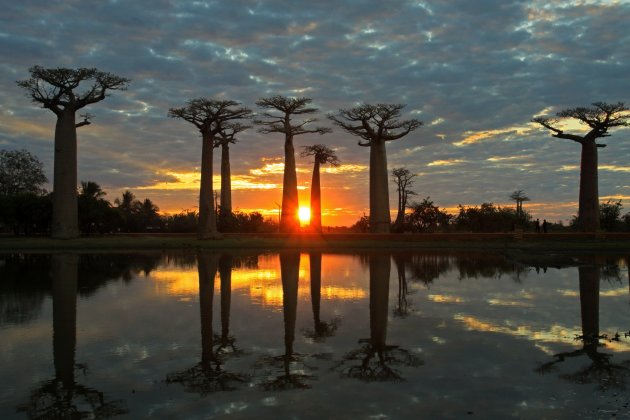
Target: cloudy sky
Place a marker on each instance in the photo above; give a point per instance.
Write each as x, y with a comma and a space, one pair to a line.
475, 72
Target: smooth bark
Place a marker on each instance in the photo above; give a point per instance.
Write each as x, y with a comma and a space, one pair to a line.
226, 182
380, 218
588, 212
65, 217
316, 202
289, 221
207, 228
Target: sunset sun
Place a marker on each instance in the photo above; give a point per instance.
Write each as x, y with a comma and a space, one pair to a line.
305, 215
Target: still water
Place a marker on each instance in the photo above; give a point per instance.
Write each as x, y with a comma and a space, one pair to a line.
314, 335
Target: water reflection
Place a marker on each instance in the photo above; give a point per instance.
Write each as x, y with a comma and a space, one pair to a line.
292, 365
209, 375
321, 329
62, 396
600, 368
375, 360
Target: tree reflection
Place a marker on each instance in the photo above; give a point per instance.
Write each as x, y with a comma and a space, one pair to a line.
600, 369
377, 361
63, 397
402, 308
321, 329
294, 374
208, 375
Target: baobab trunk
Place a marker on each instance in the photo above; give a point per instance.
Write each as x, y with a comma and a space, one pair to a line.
589, 306
65, 217
225, 274
379, 190
289, 219
207, 228
588, 212
380, 266
226, 182
290, 273
64, 273
207, 268
316, 205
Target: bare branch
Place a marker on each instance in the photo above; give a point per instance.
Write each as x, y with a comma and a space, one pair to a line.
321, 153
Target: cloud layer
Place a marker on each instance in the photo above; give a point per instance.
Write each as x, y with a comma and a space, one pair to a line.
474, 72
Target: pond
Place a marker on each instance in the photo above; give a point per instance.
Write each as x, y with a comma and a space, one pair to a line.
314, 335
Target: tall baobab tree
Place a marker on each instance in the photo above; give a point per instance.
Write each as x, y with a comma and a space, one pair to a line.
404, 181
321, 156
58, 90
376, 125
226, 137
519, 196
211, 117
278, 119
600, 118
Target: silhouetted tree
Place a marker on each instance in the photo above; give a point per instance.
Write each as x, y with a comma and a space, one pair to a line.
211, 117
600, 118
56, 90
20, 173
95, 212
376, 125
519, 196
226, 137
321, 156
321, 329
404, 181
278, 118
425, 216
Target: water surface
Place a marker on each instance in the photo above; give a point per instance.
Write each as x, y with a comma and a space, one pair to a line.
306, 335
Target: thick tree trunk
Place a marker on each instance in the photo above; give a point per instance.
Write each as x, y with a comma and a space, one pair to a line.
379, 189
65, 278
589, 306
207, 268
226, 182
290, 273
225, 273
380, 265
588, 213
316, 205
315, 259
289, 221
207, 228
65, 219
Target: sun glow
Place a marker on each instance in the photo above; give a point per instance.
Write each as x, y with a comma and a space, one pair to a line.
305, 215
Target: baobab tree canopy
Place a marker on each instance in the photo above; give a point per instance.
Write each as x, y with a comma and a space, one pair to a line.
278, 118
375, 125
211, 117
56, 88
63, 92
600, 118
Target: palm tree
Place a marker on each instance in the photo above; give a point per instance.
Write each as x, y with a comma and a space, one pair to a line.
600, 118
322, 155
281, 122
376, 125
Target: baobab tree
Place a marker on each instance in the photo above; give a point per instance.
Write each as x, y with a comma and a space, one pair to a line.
321, 155
226, 137
600, 118
404, 181
519, 196
376, 125
278, 119
211, 117
57, 89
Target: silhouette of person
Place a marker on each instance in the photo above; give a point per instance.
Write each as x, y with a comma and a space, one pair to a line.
545, 225
537, 225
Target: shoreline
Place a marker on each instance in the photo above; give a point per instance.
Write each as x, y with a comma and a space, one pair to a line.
536, 242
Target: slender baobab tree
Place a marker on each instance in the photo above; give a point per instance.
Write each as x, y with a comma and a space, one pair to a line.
278, 119
600, 118
211, 117
519, 196
226, 137
404, 181
58, 90
321, 156
376, 125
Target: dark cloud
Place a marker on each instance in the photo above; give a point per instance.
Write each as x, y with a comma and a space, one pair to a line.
462, 67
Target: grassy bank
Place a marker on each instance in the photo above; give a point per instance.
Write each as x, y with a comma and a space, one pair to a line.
499, 241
